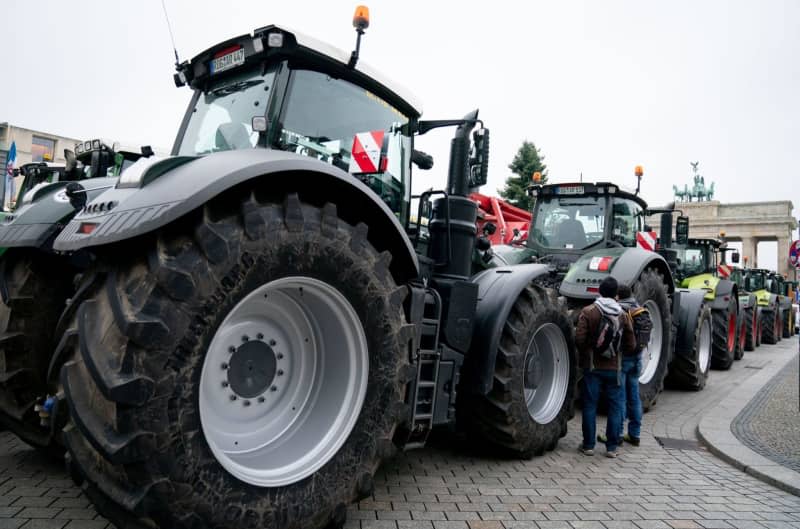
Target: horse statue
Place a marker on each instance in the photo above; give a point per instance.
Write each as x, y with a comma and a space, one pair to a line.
710, 192
682, 195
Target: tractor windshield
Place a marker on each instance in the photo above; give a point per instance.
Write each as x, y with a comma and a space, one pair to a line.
756, 282
692, 261
345, 125
222, 116
569, 222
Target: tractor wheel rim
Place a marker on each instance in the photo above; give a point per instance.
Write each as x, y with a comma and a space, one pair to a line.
731, 332
651, 356
546, 373
283, 381
704, 347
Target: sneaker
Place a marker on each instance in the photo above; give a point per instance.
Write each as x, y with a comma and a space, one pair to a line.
587, 451
612, 453
601, 438
631, 440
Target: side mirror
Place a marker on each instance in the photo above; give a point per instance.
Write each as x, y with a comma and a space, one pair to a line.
735, 257
682, 230
479, 162
71, 161
422, 160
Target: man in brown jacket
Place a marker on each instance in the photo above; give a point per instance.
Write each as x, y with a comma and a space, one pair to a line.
603, 335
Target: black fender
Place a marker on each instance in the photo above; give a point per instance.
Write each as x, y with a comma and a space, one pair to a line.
188, 184
627, 267
33, 224
686, 307
498, 289
725, 289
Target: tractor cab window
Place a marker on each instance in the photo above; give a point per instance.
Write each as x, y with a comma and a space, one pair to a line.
342, 124
569, 222
628, 219
222, 117
691, 262
756, 282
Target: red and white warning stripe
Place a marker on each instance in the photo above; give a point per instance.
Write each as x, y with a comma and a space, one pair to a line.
724, 271
646, 240
368, 155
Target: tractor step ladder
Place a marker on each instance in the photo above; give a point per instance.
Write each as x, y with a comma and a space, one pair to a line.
428, 357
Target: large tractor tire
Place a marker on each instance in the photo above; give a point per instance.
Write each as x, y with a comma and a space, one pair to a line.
770, 326
759, 326
34, 288
741, 337
751, 328
689, 371
723, 345
248, 370
535, 377
651, 292
788, 320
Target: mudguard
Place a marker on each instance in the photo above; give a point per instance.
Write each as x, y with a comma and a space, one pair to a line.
707, 282
188, 185
33, 224
498, 289
746, 300
624, 264
686, 307
725, 289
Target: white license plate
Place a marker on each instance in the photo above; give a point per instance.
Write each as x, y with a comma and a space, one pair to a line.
570, 190
228, 61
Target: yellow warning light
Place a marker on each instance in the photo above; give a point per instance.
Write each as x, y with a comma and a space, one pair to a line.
537, 177
361, 18
721, 234
638, 171
745, 259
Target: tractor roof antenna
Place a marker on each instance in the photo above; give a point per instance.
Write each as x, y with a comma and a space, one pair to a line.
171, 37
360, 22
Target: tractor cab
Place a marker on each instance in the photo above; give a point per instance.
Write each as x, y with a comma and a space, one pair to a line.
696, 258
278, 89
571, 219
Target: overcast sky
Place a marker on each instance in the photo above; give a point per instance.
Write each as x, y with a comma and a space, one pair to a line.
598, 86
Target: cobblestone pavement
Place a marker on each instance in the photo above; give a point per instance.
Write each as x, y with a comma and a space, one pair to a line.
770, 424
446, 487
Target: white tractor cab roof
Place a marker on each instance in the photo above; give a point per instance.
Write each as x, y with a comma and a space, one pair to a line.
276, 43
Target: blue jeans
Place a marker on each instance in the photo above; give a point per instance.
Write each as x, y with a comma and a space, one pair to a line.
593, 383
633, 404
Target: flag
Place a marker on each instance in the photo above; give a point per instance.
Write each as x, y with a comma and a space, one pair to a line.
8, 196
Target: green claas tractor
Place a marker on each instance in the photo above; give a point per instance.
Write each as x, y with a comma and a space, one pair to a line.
585, 232
770, 325
36, 281
700, 268
748, 311
260, 328
783, 288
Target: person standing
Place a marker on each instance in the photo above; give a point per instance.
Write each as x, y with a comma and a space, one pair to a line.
632, 368
603, 335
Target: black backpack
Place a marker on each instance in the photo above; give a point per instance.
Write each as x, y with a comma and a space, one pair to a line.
642, 327
609, 336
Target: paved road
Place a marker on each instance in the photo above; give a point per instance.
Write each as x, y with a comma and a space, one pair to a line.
446, 487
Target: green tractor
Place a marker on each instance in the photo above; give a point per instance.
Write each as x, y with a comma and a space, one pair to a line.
748, 310
699, 268
770, 306
264, 324
585, 232
36, 281
785, 291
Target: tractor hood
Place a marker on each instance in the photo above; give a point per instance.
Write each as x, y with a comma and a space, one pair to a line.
765, 298
707, 282
624, 264
45, 210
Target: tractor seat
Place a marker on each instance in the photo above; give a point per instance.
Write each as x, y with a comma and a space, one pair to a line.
570, 233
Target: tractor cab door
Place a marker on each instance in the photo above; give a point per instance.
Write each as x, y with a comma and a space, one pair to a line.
627, 219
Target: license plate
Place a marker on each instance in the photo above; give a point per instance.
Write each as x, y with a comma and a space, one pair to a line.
570, 190
228, 61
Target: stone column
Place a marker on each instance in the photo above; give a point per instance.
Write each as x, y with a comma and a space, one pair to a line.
749, 250
783, 256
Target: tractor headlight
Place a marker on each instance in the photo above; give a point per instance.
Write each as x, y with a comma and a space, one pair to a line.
87, 146
79, 148
95, 144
